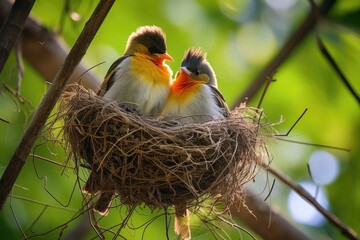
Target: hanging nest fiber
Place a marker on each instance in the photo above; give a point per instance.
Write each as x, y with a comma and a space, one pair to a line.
159, 162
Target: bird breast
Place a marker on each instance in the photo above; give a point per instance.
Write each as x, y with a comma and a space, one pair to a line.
198, 107
146, 89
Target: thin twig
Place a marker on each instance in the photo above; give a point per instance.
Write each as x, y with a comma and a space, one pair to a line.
13, 92
346, 230
44, 109
20, 65
50, 161
64, 14
314, 144
237, 227
292, 127
269, 80
270, 191
5, 121
293, 41
16, 219
43, 203
37, 218
337, 69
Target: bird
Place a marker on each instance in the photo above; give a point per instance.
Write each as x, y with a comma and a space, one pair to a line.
193, 98
140, 77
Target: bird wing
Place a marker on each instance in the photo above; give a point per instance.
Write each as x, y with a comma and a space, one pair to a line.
109, 80
220, 100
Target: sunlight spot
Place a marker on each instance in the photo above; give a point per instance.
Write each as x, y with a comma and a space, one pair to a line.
238, 10
191, 16
256, 42
281, 5
75, 16
324, 167
183, 13
303, 212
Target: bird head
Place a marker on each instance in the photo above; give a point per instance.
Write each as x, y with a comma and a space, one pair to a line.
195, 68
148, 40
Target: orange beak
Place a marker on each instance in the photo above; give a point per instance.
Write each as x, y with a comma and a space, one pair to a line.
165, 56
185, 71
161, 57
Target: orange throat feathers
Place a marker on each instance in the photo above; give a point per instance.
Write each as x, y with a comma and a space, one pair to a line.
151, 68
185, 86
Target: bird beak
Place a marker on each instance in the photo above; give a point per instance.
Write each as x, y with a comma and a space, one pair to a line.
193, 77
164, 56
186, 71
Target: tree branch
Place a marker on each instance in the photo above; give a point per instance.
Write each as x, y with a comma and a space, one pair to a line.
46, 51
293, 41
12, 27
265, 220
48, 102
346, 230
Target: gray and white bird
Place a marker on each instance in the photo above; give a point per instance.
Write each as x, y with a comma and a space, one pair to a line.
193, 98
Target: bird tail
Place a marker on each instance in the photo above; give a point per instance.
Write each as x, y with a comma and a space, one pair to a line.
103, 204
182, 224
93, 187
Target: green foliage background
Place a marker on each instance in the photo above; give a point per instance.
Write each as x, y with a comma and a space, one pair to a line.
240, 37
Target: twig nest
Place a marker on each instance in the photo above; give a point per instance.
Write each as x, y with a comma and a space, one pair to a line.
158, 161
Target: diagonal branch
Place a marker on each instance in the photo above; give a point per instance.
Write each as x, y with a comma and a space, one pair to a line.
337, 69
266, 220
294, 40
346, 230
46, 51
48, 102
12, 27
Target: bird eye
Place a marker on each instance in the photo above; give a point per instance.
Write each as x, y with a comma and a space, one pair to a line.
194, 70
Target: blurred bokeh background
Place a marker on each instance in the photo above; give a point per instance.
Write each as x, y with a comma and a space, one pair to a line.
241, 37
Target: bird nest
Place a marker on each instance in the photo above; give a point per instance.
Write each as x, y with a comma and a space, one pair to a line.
158, 161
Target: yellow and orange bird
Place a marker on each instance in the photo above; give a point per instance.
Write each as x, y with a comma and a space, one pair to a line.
140, 77
193, 98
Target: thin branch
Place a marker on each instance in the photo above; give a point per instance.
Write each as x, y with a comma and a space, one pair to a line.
20, 65
12, 27
293, 41
235, 226
313, 144
50, 161
13, 92
346, 230
292, 127
48, 102
334, 65
43, 203
269, 80
5, 121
